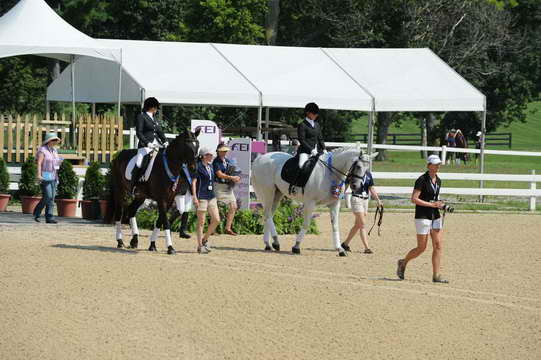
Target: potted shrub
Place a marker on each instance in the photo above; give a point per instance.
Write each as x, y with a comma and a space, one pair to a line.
4, 186
66, 192
92, 190
28, 186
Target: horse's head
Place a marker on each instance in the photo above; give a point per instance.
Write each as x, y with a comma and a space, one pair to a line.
184, 148
358, 169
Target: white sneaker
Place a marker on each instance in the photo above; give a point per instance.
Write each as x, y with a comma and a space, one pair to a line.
207, 246
202, 250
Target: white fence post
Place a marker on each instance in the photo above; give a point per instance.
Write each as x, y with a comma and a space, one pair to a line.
132, 138
443, 154
533, 187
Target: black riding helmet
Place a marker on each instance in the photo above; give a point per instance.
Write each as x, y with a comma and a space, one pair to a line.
150, 103
311, 107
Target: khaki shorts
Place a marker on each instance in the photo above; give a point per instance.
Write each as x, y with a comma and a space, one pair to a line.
205, 205
359, 205
224, 193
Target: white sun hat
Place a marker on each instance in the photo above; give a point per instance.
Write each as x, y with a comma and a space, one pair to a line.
434, 160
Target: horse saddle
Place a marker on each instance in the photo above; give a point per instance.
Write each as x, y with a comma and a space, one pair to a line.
292, 174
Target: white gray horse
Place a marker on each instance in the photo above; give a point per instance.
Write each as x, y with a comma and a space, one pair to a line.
332, 169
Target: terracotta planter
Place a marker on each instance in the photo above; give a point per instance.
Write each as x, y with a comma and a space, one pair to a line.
89, 209
66, 207
29, 203
4, 199
104, 204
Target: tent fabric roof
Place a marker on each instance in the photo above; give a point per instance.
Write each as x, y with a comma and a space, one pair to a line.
294, 76
409, 80
272, 76
173, 72
32, 28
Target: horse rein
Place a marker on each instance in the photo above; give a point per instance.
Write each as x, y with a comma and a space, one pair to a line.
379, 210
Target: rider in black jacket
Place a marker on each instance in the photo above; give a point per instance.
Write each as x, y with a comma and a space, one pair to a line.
149, 133
309, 135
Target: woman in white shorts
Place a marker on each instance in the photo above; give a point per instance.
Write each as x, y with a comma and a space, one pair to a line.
425, 196
204, 199
359, 207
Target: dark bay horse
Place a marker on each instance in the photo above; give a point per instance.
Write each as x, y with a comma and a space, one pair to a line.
159, 187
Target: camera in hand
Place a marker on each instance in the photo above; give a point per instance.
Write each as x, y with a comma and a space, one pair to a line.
448, 208
232, 171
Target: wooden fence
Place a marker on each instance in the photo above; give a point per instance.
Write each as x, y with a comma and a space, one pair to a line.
97, 138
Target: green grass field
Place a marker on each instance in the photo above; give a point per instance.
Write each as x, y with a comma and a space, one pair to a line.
526, 137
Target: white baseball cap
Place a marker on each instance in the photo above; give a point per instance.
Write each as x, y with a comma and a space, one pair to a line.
478, 133
434, 160
204, 151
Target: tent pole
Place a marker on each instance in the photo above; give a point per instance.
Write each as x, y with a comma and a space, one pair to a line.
73, 114
259, 121
119, 83
482, 152
370, 142
267, 124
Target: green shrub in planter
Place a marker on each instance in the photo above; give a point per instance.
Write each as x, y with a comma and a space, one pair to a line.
107, 184
4, 177
67, 182
28, 185
288, 219
94, 181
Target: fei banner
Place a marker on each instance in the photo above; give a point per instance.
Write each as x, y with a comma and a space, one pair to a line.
240, 156
210, 134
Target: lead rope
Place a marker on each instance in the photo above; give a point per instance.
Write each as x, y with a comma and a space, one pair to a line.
379, 210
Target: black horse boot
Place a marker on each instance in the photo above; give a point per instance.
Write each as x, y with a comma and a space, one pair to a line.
184, 226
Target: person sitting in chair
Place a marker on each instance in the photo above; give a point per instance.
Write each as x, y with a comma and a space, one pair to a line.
310, 137
150, 135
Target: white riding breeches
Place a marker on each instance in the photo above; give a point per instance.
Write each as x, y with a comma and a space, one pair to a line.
184, 202
141, 152
303, 157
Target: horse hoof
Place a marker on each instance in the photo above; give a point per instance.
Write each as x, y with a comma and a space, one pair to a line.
152, 246
342, 253
295, 250
120, 244
268, 248
134, 242
171, 251
276, 246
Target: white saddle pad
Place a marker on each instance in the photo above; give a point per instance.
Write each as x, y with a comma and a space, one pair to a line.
131, 166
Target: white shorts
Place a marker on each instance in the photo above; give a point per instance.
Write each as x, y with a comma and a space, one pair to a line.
184, 202
359, 205
424, 226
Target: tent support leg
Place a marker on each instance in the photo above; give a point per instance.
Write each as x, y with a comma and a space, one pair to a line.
119, 83
370, 142
73, 113
259, 121
267, 124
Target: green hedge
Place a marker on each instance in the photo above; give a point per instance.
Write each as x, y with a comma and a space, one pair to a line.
67, 181
287, 218
28, 184
4, 177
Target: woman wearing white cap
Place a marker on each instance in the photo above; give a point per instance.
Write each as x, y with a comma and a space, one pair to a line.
48, 165
425, 196
224, 192
204, 199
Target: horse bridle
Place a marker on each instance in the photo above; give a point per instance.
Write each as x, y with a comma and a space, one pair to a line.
349, 175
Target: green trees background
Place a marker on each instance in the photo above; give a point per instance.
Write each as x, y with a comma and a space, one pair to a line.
494, 44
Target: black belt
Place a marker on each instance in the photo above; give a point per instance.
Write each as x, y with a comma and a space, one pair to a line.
360, 196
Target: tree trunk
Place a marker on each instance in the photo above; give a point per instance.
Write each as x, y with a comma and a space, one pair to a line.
271, 21
383, 121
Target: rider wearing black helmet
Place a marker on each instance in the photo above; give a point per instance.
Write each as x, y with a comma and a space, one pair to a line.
309, 134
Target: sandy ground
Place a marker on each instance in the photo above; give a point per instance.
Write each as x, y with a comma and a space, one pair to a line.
67, 293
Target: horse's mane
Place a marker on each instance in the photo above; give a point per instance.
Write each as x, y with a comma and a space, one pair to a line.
343, 149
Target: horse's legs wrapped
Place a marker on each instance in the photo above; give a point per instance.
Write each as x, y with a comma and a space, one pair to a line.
335, 222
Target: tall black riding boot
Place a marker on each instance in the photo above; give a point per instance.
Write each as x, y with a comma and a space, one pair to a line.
136, 175
184, 226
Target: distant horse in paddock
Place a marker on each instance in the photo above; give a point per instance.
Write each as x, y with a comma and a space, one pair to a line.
332, 169
159, 187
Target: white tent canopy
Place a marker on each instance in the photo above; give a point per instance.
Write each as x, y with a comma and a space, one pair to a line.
293, 76
173, 72
409, 80
32, 28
